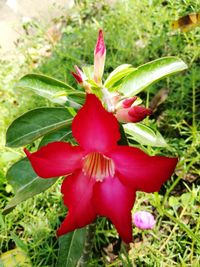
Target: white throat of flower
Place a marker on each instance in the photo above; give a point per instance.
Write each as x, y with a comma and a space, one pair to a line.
98, 166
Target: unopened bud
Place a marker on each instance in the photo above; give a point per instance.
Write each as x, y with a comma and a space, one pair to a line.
81, 79
139, 113
99, 58
132, 114
78, 75
127, 103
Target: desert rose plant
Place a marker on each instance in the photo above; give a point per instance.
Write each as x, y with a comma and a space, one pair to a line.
102, 170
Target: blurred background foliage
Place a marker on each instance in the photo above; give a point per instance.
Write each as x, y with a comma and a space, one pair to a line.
135, 32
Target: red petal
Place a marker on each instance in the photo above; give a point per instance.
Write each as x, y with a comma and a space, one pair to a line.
115, 201
77, 192
94, 128
56, 159
140, 171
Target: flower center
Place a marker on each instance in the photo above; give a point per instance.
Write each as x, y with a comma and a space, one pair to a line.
98, 166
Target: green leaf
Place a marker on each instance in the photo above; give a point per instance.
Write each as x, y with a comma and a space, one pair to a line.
64, 134
35, 124
9, 156
54, 90
117, 74
173, 202
93, 84
19, 242
149, 73
89, 71
25, 182
144, 134
187, 199
70, 248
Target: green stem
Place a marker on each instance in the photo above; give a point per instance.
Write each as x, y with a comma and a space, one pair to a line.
107, 99
170, 189
193, 101
88, 245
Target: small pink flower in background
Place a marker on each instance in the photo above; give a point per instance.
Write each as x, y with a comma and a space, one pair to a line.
99, 58
144, 220
129, 112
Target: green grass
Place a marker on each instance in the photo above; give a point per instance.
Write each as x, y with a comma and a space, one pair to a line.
135, 32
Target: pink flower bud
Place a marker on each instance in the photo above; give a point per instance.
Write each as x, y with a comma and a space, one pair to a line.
128, 102
132, 114
138, 113
144, 220
100, 45
99, 58
78, 75
81, 79
122, 115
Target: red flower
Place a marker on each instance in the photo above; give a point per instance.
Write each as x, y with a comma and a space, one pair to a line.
102, 177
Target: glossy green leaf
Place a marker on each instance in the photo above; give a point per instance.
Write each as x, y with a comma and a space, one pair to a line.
89, 71
25, 182
54, 90
70, 248
64, 134
35, 124
149, 73
93, 84
144, 135
117, 74
8, 156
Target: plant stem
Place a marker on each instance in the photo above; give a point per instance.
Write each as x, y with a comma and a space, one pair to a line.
184, 227
193, 100
107, 98
88, 245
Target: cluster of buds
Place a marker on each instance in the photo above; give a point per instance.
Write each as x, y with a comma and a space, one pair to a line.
127, 110
99, 62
